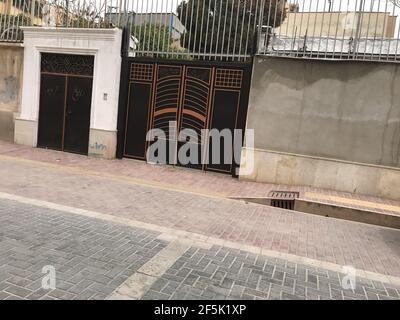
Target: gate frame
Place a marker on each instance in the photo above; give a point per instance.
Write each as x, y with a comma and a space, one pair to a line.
67, 77
105, 45
247, 68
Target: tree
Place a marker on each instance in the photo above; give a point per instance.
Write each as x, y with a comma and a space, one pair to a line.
226, 26
153, 38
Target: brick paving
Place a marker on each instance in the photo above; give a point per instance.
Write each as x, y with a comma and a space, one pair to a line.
363, 246
91, 257
221, 273
186, 179
113, 187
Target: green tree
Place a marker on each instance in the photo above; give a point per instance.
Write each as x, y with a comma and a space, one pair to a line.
226, 26
153, 37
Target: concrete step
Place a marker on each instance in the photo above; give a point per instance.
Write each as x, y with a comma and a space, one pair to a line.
338, 210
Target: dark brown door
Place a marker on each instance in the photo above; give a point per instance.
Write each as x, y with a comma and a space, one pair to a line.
65, 102
224, 116
51, 113
196, 97
77, 115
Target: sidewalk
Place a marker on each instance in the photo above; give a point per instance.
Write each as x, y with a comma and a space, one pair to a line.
196, 202
98, 256
207, 183
176, 178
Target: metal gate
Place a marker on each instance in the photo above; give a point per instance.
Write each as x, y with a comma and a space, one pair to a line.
65, 102
195, 95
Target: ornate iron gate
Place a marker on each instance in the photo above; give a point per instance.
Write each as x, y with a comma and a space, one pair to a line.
65, 102
195, 95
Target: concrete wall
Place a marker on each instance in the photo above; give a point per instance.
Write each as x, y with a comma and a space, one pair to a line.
331, 125
11, 66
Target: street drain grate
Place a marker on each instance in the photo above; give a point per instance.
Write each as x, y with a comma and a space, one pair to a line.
283, 199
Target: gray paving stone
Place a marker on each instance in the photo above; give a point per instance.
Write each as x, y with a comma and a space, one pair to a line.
78, 247
17, 291
287, 296
376, 291
85, 295
18, 281
312, 278
386, 298
227, 283
3, 295
392, 292
160, 284
180, 295
208, 295
170, 288
92, 258
258, 277
154, 295
38, 294
12, 297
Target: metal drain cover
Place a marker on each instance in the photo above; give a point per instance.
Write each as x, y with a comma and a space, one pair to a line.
283, 199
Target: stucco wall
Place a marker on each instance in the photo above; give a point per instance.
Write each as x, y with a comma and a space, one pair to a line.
11, 66
318, 123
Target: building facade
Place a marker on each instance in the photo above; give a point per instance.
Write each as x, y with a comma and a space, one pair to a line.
338, 24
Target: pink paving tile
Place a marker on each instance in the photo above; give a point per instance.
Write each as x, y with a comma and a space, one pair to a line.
368, 247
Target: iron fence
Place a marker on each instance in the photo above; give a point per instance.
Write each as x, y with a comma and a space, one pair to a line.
232, 30
336, 29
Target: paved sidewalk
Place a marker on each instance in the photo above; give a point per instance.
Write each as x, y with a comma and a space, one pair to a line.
95, 258
136, 191
91, 257
222, 273
196, 181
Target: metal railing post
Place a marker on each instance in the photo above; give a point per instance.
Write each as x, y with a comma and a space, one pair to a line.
33, 3
357, 36
229, 30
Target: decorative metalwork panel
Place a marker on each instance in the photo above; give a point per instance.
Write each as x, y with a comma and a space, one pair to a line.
141, 72
229, 78
166, 103
196, 99
78, 93
168, 72
52, 90
67, 64
201, 74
